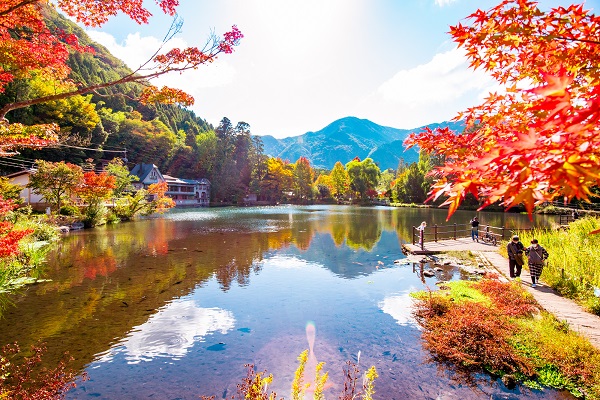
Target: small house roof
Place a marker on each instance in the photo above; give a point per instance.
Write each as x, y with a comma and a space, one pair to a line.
142, 170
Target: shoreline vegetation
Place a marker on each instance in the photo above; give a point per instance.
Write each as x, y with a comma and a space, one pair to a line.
470, 327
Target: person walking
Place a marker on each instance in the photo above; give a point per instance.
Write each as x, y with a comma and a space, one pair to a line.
475, 229
536, 256
515, 256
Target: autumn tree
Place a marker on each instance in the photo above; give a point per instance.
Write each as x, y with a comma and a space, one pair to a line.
340, 181
55, 182
28, 47
323, 186
278, 179
94, 190
303, 179
538, 140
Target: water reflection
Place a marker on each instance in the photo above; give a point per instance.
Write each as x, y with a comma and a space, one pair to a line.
171, 332
132, 293
399, 306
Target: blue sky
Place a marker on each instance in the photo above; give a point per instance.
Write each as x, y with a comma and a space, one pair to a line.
305, 63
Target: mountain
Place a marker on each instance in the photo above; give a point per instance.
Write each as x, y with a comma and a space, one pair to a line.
347, 138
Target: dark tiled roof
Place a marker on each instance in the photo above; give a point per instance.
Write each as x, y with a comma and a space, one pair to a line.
142, 170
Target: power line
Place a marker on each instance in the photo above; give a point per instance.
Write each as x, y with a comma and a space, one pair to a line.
90, 149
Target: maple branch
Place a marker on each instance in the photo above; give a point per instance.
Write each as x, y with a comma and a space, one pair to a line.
17, 6
578, 40
133, 77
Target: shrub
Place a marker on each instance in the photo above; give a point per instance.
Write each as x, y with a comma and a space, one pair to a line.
69, 210
27, 379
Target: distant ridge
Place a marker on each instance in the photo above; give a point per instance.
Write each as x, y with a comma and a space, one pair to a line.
347, 138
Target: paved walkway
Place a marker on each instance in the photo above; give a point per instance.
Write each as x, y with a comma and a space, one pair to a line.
564, 309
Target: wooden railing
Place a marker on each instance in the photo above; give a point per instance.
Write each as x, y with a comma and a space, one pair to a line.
454, 231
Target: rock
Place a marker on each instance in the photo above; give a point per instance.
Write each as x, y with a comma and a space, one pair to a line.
438, 269
447, 262
479, 271
429, 273
439, 283
481, 265
424, 260
64, 229
509, 381
397, 261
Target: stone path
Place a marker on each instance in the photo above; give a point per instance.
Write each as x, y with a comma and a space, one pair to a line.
564, 309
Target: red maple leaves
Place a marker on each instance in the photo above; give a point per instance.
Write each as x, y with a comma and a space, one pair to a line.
526, 146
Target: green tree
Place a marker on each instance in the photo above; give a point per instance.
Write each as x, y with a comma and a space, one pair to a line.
10, 191
55, 182
363, 176
123, 179
340, 181
384, 185
409, 185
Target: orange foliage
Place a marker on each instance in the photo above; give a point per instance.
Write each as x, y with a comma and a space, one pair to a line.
96, 186
526, 146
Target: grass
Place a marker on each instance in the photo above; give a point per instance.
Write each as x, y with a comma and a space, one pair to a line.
498, 328
573, 268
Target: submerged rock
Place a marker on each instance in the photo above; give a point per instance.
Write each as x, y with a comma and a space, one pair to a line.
509, 381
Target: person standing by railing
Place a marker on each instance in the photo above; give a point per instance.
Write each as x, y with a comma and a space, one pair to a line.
421, 229
475, 228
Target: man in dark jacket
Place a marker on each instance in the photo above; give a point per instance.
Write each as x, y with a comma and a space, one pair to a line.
515, 256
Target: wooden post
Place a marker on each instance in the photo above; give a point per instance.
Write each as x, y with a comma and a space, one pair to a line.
435, 233
422, 238
413, 235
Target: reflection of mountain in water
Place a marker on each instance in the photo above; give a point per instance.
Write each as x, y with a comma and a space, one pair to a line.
347, 262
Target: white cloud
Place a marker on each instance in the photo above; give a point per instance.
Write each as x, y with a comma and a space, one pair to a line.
444, 78
172, 331
431, 92
399, 307
443, 3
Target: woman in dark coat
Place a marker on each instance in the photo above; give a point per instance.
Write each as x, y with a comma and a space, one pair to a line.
536, 255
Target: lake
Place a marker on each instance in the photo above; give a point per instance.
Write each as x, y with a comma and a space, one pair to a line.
173, 307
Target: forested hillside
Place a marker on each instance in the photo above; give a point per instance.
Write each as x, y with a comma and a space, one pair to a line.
109, 119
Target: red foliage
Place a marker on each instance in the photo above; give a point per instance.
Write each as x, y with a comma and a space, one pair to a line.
9, 238
22, 378
471, 337
96, 186
525, 146
509, 298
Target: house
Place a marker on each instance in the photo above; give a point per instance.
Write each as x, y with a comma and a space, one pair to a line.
184, 192
21, 178
148, 174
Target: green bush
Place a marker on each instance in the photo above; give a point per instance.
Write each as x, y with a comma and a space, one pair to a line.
69, 210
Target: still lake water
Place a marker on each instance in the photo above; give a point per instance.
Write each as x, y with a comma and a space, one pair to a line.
173, 307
